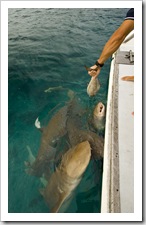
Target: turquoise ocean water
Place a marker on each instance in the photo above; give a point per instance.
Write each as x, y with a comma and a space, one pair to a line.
49, 48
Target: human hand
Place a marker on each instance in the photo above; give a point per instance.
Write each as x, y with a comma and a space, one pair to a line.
93, 70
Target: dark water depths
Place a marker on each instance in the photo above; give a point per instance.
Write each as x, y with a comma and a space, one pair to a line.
47, 48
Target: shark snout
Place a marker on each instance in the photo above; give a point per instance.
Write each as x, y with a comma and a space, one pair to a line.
99, 110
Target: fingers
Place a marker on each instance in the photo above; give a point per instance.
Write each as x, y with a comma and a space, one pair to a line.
93, 73
93, 70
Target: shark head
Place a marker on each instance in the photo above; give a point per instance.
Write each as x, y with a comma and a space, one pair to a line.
99, 111
66, 176
76, 160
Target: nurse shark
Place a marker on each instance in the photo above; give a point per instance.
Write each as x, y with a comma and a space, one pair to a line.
51, 135
67, 176
78, 133
55, 129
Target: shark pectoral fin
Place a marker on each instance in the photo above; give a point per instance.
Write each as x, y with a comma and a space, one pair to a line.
43, 180
27, 164
31, 157
30, 161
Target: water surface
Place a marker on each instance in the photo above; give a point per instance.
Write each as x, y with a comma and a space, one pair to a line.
47, 48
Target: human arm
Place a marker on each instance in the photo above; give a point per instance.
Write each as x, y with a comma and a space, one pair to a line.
112, 45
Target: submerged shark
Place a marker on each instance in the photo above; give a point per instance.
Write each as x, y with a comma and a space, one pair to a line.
67, 176
51, 135
67, 121
77, 133
96, 142
55, 129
